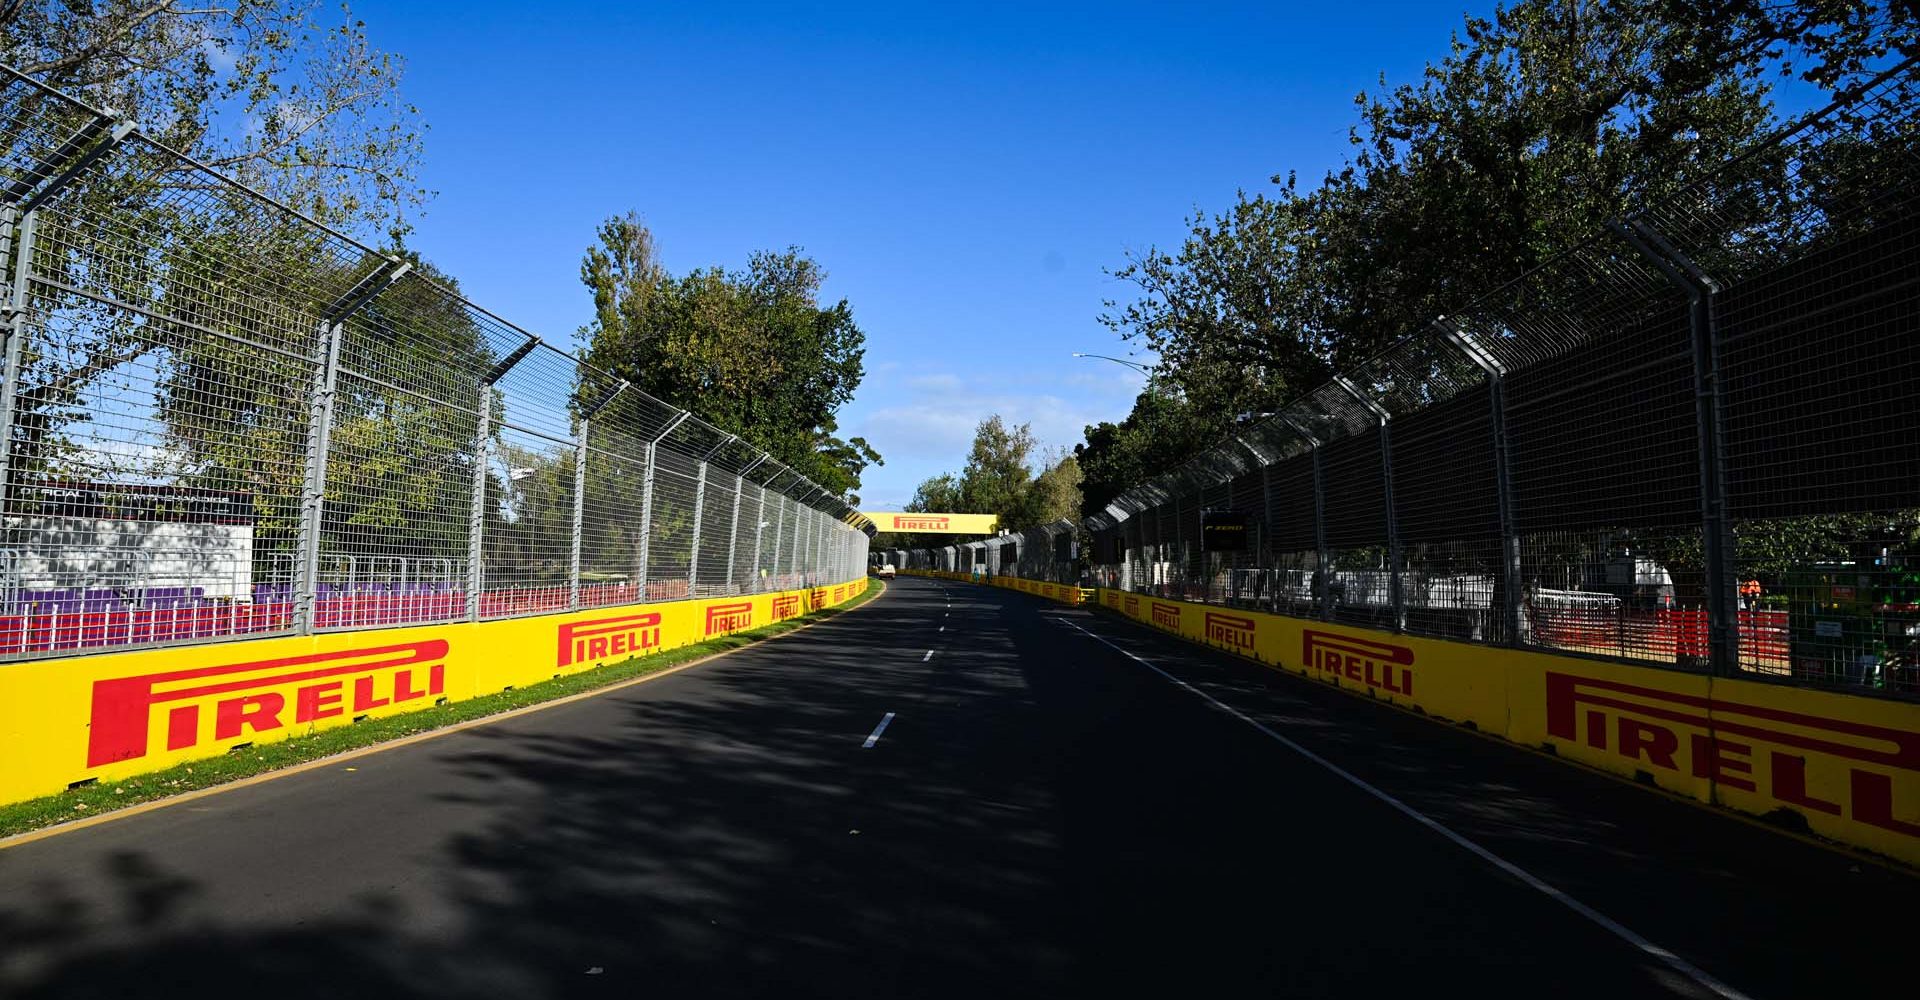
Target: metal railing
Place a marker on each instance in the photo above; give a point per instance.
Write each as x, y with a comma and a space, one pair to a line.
220, 419
1692, 440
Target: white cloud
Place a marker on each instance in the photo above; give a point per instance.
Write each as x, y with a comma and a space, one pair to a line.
940, 429
921, 418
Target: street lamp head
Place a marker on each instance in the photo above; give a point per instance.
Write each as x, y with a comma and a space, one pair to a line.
1137, 366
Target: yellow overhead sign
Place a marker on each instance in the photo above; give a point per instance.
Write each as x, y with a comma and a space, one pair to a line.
933, 524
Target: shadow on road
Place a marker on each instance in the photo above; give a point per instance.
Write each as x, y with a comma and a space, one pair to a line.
1039, 820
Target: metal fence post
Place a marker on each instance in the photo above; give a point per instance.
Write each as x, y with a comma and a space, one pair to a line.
1325, 565
810, 559
779, 535
699, 511
13, 328
1511, 581
326, 380
645, 558
579, 512
314, 489
1396, 598
1179, 540
646, 501
733, 532
1723, 614
477, 518
482, 455
1266, 503
759, 527
793, 555
580, 488
819, 542
1266, 535
804, 543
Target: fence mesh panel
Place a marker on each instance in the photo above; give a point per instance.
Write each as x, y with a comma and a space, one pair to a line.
221, 419
1688, 441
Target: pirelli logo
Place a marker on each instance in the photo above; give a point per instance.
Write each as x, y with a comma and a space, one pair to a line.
257, 696
729, 617
1110, 598
816, 599
903, 522
1231, 631
601, 638
839, 594
1784, 755
1375, 664
786, 606
1166, 616
1133, 606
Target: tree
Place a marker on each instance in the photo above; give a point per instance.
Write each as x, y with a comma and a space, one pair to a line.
752, 352
1055, 495
1163, 430
997, 477
298, 105
937, 494
1544, 121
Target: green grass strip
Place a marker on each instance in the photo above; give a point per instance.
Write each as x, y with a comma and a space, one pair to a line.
105, 797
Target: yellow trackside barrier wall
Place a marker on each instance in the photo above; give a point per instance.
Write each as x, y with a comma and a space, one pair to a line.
1062, 592
115, 715
1848, 765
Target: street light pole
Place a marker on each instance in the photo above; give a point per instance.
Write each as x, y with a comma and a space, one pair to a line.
1143, 369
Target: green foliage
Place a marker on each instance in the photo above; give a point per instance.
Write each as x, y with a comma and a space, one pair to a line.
282, 94
752, 352
998, 479
1542, 122
1055, 494
291, 100
1162, 431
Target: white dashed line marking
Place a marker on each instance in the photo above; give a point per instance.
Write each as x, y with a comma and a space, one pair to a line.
874, 737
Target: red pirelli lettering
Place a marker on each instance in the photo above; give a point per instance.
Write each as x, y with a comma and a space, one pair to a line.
1723, 739
1368, 662
1232, 631
600, 638
730, 617
122, 707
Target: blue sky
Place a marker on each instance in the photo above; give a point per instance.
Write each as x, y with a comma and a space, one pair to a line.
964, 176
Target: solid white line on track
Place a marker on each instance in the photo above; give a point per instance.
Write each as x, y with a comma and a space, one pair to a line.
1647, 947
874, 737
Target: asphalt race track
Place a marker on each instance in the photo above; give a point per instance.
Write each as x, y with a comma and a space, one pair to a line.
1043, 815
